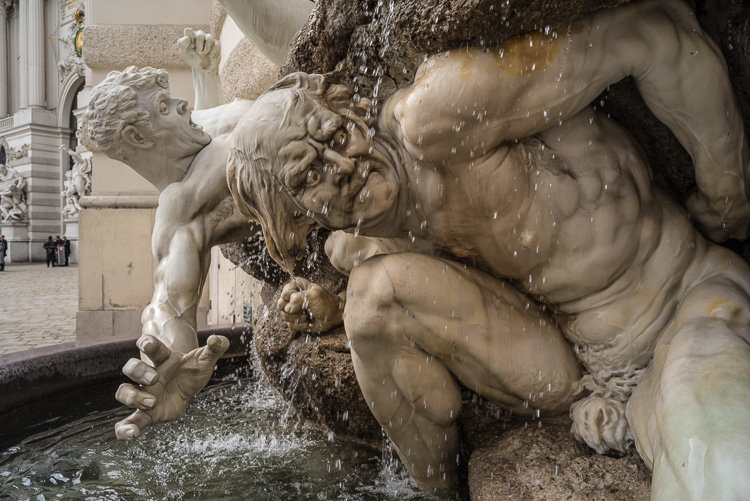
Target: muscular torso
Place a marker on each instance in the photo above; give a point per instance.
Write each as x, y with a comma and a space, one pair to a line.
572, 218
203, 198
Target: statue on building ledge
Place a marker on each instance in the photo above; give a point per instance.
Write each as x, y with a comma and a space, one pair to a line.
77, 182
12, 195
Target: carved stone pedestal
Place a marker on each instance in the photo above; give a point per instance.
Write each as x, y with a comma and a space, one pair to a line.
17, 235
117, 283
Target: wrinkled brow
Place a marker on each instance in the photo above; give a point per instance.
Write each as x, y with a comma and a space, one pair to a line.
296, 157
323, 125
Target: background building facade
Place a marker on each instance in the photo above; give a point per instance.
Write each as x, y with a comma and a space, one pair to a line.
40, 80
52, 53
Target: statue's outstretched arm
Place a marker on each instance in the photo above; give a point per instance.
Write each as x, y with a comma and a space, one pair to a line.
166, 385
181, 243
183, 260
203, 53
173, 368
464, 103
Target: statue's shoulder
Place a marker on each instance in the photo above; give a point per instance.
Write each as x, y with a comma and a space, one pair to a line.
398, 114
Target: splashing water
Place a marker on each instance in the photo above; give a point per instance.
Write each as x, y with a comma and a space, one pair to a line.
230, 445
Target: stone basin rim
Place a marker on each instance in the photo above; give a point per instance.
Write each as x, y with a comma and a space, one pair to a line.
30, 376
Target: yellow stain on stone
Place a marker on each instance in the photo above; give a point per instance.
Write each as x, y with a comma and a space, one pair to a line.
466, 66
526, 53
718, 310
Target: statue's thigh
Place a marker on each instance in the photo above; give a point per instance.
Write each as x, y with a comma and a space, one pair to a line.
691, 412
442, 306
494, 339
411, 298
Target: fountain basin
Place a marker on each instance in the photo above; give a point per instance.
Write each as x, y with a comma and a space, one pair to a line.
237, 440
33, 375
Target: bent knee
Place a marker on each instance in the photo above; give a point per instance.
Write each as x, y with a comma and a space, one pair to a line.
372, 282
369, 297
706, 364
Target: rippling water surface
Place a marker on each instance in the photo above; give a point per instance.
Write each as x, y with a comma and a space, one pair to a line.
233, 444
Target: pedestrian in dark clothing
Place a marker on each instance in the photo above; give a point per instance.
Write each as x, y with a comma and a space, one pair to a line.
66, 244
50, 247
3, 251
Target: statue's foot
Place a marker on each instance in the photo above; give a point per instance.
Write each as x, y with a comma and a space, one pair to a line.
601, 424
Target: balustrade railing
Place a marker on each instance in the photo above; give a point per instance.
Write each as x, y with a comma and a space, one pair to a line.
6, 123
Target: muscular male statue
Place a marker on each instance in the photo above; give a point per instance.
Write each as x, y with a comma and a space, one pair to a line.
132, 118
77, 182
12, 196
551, 234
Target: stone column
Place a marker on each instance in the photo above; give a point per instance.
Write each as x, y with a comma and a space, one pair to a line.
35, 41
23, 50
4, 5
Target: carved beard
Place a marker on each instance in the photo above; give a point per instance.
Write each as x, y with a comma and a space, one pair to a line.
395, 155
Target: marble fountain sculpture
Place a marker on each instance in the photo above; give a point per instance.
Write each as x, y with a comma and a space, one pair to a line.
12, 194
77, 183
491, 221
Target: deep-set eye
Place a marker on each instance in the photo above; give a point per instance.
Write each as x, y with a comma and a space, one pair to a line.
339, 139
312, 178
163, 108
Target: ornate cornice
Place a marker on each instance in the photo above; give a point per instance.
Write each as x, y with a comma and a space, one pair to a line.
13, 154
71, 62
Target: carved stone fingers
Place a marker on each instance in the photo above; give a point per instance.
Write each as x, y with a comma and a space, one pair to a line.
154, 349
133, 397
132, 426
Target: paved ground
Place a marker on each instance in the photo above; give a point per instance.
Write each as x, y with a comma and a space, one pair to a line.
37, 306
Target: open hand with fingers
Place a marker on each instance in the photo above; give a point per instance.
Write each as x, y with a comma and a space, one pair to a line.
308, 307
165, 389
200, 50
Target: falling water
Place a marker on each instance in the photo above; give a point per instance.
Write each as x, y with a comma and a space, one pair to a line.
231, 444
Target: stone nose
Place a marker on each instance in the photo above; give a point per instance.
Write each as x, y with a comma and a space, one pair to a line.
346, 166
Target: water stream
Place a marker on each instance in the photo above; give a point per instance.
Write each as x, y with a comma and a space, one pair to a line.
232, 444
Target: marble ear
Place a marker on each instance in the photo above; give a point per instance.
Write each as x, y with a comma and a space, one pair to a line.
132, 136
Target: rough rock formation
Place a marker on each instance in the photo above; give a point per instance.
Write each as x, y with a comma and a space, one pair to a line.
373, 40
314, 372
545, 463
